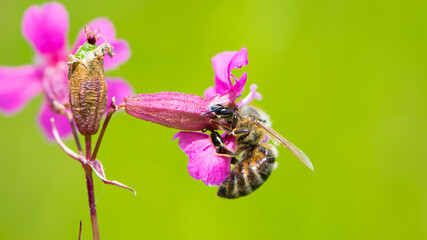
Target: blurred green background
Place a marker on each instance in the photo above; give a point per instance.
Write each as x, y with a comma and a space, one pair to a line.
344, 80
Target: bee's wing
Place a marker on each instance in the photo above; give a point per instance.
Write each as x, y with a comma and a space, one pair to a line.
298, 153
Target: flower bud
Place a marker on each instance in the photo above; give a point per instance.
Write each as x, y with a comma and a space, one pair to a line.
171, 109
88, 90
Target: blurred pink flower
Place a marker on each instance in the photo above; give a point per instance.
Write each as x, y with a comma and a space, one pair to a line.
46, 28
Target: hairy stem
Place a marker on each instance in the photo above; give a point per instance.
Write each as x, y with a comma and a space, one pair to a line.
92, 206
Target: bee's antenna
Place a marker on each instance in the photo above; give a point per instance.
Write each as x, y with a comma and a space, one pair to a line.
203, 114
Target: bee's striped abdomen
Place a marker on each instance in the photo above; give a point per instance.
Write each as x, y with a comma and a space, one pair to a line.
249, 174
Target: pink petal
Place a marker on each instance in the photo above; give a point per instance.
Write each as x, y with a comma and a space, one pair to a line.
220, 63
204, 164
224, 99
210, 92
17, 86
240, 84
121, 54
46, 27
55, 83
253, 94
105, 27
239, 60
223, 63
99, 171
118, 88
61, 122
171, 109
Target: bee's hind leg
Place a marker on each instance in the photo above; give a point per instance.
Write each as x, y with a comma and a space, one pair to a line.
219, 145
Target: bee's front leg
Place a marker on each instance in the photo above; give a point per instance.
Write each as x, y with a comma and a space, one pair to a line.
221, 126
232, 131
219, 145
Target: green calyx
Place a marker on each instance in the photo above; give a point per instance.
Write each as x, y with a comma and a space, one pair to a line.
84, 49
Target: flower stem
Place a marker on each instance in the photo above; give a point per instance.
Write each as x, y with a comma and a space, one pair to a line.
80, 230
76, 137
111, 110
101, 134
92, 206
88, 140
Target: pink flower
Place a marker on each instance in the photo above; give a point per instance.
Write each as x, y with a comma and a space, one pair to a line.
203, 162
186, 112
46, 29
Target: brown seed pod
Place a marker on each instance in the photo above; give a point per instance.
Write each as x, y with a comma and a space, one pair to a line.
88, 90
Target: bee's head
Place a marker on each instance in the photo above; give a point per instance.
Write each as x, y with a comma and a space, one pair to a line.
221, 111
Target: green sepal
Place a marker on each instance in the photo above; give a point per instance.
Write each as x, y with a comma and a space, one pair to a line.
84, 49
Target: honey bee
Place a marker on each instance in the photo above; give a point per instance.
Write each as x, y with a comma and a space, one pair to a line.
250, 127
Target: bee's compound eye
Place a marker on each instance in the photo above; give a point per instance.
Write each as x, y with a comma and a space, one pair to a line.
216, 107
